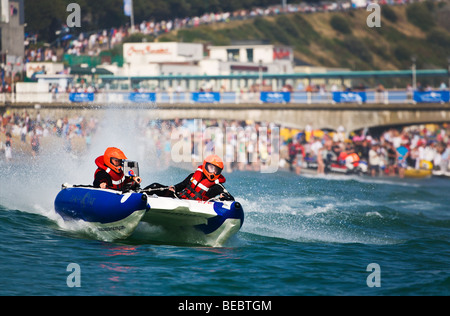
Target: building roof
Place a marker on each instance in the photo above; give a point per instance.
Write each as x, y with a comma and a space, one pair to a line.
78, 70
255, 75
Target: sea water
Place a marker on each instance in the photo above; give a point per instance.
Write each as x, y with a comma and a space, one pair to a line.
302, 235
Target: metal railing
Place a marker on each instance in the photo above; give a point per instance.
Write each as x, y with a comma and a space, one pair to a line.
114, 97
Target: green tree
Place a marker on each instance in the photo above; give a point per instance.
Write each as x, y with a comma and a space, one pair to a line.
44, 17
420, 15
340, 24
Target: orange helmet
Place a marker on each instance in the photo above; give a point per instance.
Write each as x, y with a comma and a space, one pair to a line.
110, 153
212, 167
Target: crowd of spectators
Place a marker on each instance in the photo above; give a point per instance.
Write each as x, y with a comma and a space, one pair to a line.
249, 145
27, 132
419, 147
243, 145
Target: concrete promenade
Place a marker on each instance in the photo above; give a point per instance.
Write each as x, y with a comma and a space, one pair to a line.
352, 116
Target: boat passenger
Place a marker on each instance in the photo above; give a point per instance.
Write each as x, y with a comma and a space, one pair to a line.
110, 175
205, 183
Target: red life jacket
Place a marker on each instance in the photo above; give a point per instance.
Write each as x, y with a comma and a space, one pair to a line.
353, 158
199, 186
118, 179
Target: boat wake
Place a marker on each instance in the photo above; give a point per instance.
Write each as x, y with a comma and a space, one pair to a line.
330, 223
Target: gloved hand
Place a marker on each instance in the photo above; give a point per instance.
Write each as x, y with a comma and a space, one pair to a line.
226, 197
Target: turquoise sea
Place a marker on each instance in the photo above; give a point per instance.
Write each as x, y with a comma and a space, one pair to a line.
302, 235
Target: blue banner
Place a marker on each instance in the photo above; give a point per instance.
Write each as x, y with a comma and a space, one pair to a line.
349, 97
81, 97
142, 97
127, 7
275, 97
432, 96
206, 97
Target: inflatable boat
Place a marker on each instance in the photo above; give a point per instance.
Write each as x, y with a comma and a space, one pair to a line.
441, 174
115, 215
110, 214
417, 173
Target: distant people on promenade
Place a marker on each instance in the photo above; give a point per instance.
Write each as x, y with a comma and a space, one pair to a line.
249, 145
387, 154
30, 130
35, 143
8, 147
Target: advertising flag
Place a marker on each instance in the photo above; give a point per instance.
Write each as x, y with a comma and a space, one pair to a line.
127, 4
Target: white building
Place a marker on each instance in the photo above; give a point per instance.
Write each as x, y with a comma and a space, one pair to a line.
236, 59
145, 53
156, 59
34, 68
191, 59
222, 60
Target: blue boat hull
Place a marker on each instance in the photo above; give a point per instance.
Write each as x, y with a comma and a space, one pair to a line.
234, 211
109, 214
96, 205
228, 221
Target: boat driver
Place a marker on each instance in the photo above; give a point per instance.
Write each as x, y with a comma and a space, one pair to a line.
109, 173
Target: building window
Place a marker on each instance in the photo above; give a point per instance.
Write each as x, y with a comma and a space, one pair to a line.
250, 55
233, 54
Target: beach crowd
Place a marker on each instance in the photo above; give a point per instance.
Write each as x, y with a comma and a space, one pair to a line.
244, 145
26, 132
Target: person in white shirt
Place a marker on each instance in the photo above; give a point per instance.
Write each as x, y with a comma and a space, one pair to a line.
374, 159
